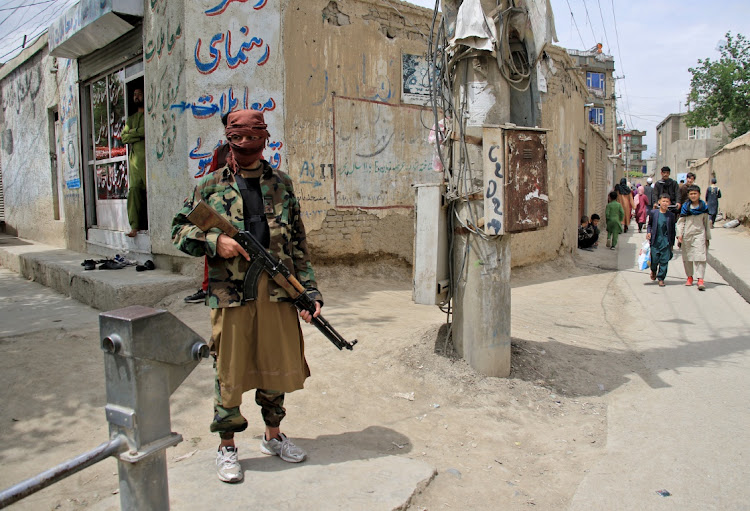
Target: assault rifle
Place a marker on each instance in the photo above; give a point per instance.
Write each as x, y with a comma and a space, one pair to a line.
205, 217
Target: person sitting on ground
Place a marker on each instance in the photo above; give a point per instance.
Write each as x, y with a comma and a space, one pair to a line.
587, 233
660, 233
614, 215
583, 231
595, 219
694, 235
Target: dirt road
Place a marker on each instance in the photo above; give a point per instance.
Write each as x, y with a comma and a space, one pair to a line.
529, 441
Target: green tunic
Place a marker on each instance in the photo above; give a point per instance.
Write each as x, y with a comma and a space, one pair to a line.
614, 215
134, 134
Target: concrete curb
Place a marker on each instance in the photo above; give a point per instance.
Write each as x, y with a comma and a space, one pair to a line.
61, 270
727, 274
372, 484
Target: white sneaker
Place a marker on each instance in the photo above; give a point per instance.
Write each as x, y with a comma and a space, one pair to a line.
227, 466
283, 448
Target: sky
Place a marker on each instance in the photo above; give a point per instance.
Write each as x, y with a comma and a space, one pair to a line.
19, 18
653, 42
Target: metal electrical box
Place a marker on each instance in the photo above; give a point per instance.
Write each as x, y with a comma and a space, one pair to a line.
515, 179
430, 245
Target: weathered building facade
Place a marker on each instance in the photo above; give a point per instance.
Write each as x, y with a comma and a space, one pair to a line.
597, 69
678, 146
729, 166
343, 86
632, 146
579, 172
33, 182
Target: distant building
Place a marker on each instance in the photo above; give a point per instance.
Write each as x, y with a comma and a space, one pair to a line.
678, 146
631, 143
598, 71
650, 167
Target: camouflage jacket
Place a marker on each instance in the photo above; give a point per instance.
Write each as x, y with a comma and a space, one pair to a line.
288, 241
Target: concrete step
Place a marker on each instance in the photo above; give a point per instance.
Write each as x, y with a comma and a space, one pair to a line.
376, 482
61, 270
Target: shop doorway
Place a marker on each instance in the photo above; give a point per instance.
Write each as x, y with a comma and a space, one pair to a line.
108, 99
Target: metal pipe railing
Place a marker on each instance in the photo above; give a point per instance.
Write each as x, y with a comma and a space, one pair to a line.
147, 354
68, 468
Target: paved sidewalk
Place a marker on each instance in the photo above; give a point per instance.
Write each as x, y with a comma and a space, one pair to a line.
677, 423
728, 255
61, 270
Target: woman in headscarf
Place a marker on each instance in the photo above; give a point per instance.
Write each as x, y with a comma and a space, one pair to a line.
625, 198
641, 208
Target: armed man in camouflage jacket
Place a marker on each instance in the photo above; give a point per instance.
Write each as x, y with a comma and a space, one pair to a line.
256, 344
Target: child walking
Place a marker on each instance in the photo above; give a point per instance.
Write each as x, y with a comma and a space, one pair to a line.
614, 215
660, 233
694, 233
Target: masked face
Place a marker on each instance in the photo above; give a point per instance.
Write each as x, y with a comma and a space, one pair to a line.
247, 136
247, 149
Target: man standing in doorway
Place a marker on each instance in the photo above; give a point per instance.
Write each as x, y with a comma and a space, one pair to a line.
256, 344
134, 134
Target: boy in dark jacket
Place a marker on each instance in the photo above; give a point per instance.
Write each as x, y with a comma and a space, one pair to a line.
660, 233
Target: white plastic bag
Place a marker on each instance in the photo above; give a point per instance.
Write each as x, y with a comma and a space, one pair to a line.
731, 224
644, 256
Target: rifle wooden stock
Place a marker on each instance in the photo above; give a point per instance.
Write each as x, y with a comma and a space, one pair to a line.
205, 218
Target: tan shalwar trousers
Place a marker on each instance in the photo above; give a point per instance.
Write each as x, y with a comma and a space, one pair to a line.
258, 345
699, 266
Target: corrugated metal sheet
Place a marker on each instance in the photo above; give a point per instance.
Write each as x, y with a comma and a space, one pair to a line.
526, 193
114, 54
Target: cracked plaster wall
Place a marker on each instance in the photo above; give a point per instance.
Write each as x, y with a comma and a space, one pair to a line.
562, 113
344, 115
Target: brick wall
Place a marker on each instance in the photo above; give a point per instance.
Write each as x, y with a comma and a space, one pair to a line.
348, 235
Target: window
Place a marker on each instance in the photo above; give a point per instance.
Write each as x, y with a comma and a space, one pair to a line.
596, 116
696, 133
108, 118
595, 81
690, 163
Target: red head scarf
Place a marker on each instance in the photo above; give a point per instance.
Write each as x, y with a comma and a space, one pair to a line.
247, 123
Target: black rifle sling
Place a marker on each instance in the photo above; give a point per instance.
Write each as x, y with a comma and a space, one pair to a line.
257, 225
252, 206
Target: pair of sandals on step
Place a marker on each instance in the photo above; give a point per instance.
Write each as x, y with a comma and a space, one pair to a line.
110, 264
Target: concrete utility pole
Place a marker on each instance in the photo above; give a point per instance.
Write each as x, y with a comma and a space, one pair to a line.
481, 300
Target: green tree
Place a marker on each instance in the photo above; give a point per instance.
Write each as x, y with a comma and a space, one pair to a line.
720, 89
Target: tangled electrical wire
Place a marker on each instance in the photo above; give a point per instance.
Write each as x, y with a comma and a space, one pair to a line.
443, 66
